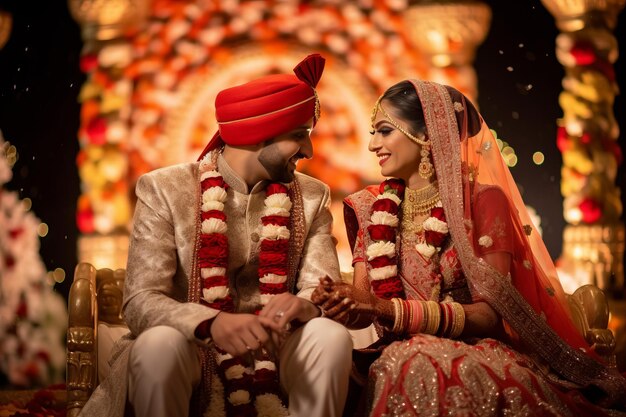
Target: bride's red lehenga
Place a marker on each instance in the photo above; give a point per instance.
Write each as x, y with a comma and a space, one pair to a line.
536, 363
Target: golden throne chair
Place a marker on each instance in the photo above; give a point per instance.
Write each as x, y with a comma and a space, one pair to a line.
94, 324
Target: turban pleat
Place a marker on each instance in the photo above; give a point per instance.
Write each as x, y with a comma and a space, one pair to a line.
310, 69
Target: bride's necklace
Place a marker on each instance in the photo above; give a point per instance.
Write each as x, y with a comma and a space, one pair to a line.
418, 203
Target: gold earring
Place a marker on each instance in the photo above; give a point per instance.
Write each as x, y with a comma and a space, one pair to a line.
425, 168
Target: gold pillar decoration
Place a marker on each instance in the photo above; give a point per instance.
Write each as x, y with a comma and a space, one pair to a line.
593, 239
448, 32
587, 137
104, 206
6, 22
104, 20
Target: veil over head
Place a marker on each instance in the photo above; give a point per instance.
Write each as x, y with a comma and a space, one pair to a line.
531, 300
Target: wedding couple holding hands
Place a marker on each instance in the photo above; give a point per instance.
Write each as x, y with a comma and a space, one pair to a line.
235, 303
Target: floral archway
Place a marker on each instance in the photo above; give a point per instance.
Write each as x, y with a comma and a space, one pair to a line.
148, 100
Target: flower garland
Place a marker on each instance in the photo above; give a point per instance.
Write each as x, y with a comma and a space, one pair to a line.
244, 385
381, 253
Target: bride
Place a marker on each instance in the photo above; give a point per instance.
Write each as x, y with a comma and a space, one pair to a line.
448, 266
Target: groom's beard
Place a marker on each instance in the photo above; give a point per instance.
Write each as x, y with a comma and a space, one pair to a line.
278, 168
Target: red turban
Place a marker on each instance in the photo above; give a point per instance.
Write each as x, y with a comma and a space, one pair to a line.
267, 107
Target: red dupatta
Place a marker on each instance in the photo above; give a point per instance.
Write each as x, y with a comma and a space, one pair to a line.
531, 301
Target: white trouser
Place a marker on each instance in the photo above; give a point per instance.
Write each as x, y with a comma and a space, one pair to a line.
163, 369
315, 364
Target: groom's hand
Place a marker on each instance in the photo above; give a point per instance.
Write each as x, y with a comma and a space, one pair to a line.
286, 307
240, 333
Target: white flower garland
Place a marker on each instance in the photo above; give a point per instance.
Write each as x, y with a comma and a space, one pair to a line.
278, 204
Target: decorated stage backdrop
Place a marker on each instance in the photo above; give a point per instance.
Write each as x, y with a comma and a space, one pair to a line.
153, 75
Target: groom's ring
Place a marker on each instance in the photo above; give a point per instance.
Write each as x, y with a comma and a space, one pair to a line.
280, 313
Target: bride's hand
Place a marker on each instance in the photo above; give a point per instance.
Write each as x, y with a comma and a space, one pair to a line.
338, 299
328, 300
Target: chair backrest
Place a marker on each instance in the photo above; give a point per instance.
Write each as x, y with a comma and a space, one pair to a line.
95, 295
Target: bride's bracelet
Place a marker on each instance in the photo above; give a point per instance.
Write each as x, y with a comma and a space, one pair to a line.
399, 322
446, 319
458, 321
432, 317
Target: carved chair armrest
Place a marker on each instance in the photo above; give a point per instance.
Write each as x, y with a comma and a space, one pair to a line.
81, 338
95, 296
110, 291
590, 311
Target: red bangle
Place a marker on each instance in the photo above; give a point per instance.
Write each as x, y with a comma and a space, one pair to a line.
203, 331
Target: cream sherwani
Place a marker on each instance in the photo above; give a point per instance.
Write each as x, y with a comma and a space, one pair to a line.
161, 256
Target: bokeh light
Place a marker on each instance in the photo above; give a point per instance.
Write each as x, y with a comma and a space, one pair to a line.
58, 275
42, 230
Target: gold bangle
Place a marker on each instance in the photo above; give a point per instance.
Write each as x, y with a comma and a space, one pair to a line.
432, 317
398, 323
458, 322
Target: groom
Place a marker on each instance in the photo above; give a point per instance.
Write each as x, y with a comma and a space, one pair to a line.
223, 258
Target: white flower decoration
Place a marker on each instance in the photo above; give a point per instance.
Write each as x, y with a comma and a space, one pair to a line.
269, 405
235, 372
239, 397
436, 225
273, 279
276, 211
208, 174
272, 231
212, 272
265, 298
425, 249
219, 358
381, 248
279, 201
384, 272
390, 196
485, 241
214, 225
214, 194
212, 294
212, 205
382, 217
269, 365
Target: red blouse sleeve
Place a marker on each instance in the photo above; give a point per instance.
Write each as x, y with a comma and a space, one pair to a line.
358, 251
492, 222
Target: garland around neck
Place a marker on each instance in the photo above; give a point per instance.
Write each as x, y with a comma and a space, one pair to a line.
248, 390
381, 253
